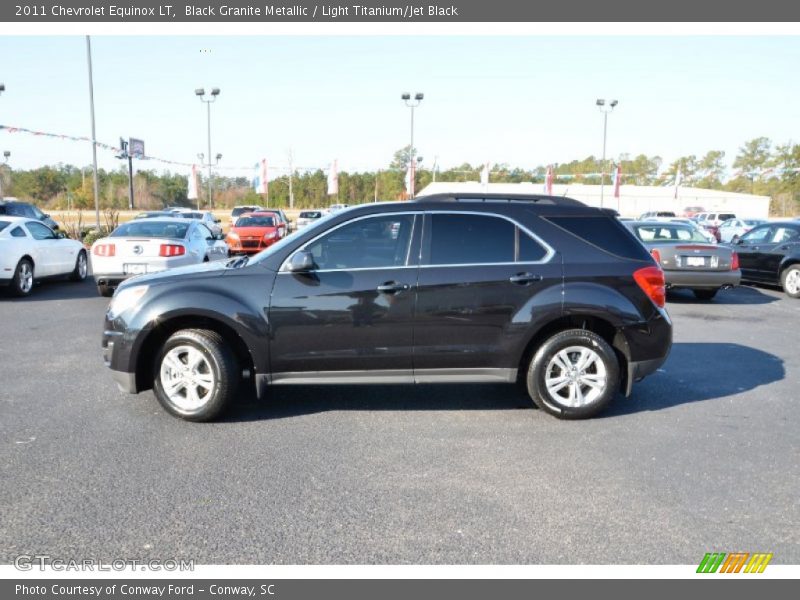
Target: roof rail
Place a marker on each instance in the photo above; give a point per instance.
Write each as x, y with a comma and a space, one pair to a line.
499, 197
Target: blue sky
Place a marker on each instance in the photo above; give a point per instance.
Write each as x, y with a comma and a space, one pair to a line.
521, 100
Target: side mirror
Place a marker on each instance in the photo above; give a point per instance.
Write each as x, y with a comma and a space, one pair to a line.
217, 220
739, 242
219, 236
60, 235
301, 262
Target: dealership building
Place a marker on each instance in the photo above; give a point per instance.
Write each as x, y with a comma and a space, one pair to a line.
633, 199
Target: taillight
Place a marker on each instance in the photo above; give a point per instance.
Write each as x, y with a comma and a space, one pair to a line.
734, 261
651, 280
171, 250
656, 255
104, 250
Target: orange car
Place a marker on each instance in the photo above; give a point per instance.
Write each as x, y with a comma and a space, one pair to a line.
255, 231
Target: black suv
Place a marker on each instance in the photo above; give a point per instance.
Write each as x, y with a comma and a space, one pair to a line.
539, 290
15, 208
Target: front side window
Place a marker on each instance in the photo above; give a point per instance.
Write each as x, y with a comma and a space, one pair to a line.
756, 235
39, 231
374, 242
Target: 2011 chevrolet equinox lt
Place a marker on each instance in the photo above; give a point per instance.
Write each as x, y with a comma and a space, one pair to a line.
539, 290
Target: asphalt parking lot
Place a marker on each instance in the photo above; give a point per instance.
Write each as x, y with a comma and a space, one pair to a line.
704, 457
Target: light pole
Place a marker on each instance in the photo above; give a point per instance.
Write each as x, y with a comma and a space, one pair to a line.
6, 155
95, 176
208, 164
412, 104
201, 93
605, 109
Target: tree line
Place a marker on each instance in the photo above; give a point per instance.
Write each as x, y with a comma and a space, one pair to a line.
760, 167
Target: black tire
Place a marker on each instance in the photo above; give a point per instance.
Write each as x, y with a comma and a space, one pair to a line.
788, 281
104, 290
219, 361
23, 280
705, 294
79, 273
539, 365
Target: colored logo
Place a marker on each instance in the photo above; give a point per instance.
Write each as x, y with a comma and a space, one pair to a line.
734, 562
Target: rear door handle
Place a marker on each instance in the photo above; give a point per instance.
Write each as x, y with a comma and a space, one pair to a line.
392, 287
524, 278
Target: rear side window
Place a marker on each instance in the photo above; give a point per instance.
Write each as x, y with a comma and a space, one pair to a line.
18, 232
605, 233
458, 239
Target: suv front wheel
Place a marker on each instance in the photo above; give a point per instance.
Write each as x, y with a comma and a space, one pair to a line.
573, 375
195, 374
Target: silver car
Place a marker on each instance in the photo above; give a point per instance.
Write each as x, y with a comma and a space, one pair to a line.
687, 259
207, 218
150, 245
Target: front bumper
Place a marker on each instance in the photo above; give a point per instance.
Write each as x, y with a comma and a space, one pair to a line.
115, 350
126, 382
702, 279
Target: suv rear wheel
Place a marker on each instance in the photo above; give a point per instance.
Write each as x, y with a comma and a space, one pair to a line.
195, 375
573, 375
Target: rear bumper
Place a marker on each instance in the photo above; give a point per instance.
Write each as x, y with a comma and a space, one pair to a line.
702, 279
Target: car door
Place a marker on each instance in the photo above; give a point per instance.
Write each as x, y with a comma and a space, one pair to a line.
478, 275
749, 250
350, 317
728, 229
46, 249
782, 240
212, 248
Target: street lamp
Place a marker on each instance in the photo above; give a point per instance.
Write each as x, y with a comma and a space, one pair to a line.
201, 93
605, 109
412, 104
6, 155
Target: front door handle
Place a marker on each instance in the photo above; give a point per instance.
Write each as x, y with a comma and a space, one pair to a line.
392, 287
524, 278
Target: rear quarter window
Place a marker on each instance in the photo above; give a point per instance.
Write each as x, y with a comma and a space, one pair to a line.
605, 233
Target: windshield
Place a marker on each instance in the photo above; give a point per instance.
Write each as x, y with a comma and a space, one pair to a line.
661, 233
152, 229
241, 210
250, 221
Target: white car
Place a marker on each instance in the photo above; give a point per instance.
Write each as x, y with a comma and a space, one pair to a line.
207, 218
732, 229
307, 217
150, 245
703, 231
30, 250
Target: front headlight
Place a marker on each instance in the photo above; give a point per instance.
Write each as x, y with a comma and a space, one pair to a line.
125, 299
233, 235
